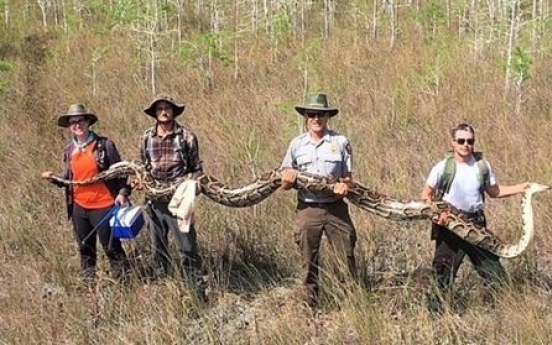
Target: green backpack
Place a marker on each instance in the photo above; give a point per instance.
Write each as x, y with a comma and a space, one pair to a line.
443, 186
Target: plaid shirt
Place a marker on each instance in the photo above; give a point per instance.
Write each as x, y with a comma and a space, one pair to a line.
163, 159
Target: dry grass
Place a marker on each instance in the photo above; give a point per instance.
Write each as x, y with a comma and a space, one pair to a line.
398, 120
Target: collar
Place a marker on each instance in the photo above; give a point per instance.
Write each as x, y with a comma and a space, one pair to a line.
308, 139
79, 147
176, 129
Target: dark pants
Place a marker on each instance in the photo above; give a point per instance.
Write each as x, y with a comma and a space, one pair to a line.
450, 251
190, 263
334, 220
84, 222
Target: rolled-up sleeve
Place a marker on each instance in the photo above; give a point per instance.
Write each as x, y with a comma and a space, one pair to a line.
289, 159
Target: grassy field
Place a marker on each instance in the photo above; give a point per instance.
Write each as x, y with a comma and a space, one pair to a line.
402, 75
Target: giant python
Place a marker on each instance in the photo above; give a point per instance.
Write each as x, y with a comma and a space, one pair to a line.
359, 195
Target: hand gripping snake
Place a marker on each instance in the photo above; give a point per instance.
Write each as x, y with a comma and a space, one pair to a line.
359, 195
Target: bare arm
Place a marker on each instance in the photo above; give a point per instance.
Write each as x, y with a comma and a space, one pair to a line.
428, 193
498, 191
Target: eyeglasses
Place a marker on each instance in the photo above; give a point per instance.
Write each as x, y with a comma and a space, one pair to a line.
463, 141
161, 108
74, 122
316, 115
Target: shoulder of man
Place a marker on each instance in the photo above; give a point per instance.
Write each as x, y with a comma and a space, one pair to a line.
334, 134
341, 140
146, 137
297, 142
440, 165
481, 162
337, 136
186, 134
299, 139
478, 155
484, 166
148, 132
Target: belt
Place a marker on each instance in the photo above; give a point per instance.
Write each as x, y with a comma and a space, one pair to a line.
474, 214
477, 217
319, 204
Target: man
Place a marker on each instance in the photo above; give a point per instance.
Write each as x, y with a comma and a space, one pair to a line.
326, 153
465, 190
170, 152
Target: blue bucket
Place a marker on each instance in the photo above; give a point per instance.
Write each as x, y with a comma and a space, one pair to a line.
127, 222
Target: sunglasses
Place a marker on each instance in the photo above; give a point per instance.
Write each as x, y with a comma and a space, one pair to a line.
315, 115
463, 141
74, 122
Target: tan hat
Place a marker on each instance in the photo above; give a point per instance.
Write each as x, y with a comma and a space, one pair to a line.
316, 102
165, 97
76, 110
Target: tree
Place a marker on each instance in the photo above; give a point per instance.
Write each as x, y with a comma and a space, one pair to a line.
520, 65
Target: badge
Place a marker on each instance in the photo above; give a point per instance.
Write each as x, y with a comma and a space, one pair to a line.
333, 148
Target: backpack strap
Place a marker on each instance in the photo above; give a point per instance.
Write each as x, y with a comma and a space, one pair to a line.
181, 148
100, 153
443, 186
484, 173
146, 142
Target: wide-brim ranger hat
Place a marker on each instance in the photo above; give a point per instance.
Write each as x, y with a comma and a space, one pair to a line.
316, 102
76, 110
164, 97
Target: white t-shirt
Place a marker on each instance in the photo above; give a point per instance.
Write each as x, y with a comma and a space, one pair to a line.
464, 191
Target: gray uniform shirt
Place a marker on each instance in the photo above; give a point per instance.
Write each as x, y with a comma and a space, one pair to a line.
331, 158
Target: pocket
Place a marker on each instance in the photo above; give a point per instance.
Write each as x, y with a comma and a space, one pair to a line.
155, 156
333, 159
303, 162
333, 164
158, 157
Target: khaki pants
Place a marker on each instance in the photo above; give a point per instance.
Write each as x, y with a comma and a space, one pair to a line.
334, 220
